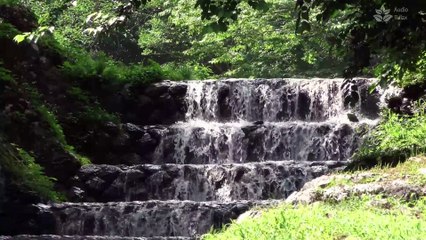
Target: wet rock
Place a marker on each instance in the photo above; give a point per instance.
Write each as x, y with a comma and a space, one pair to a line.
178, 90
26, 219
157, 90
224, 106
141, 219
304, 103
352, 117
350, 92
133, 130
198, 182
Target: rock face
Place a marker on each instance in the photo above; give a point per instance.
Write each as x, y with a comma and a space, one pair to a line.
162, 103
215, 149
327, 188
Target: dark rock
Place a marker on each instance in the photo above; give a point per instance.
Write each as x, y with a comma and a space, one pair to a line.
156, 90
395, 103
146, 144
76, 194
178, 90
413, 92
369, 103
350, 92
26, 219
352, 117
225, 111
304, 103
133, 130
248, 129
131, 159
400, 105
22, 18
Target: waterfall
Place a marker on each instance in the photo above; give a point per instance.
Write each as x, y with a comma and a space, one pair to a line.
242, 143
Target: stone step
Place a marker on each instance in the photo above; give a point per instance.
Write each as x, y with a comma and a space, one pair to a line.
75, 237
200, 142
211, 182
139, 219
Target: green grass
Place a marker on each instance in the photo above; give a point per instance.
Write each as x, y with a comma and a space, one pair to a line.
359, 217
351, 219
26, 173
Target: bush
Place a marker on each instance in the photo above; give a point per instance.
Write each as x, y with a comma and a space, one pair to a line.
395, 139
403, 75
50, 118
94, 115
26, 173
187, 71
111, 74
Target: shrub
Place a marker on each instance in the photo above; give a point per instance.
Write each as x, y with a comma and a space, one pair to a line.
187, 71
95, 115
395, 139
26, 173
48, 116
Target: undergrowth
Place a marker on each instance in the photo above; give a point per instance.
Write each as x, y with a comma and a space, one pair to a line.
356, 218
48, 116
114, 73
395, 139
26, 173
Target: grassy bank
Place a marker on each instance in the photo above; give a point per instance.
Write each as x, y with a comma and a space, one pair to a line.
351, 219
361, 216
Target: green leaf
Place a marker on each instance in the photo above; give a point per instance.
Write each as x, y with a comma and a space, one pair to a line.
20, 38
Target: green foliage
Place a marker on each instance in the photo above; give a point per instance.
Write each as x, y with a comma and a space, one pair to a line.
5, 75
33, 36
7, 30
8, 2
259, 44
398, 44
113, 73
187, 71
395, 139
356, 218
403, 76
26, 173
95, 115
50, 118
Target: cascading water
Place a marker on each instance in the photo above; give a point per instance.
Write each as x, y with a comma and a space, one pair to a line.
242, 143
269, 100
